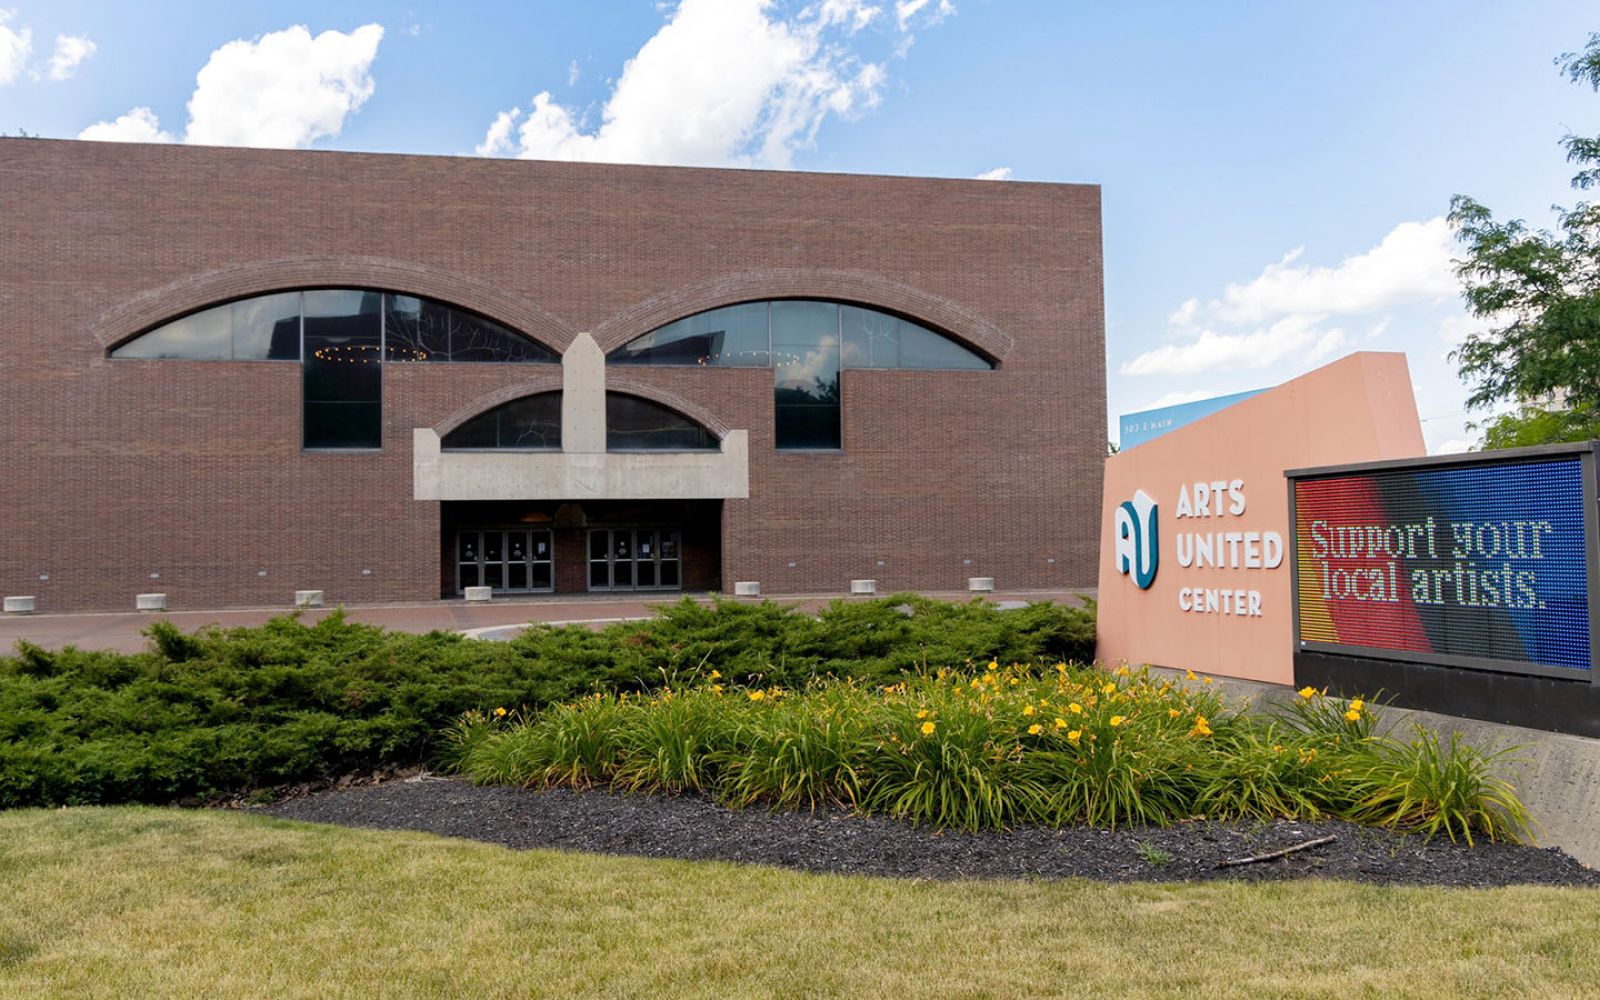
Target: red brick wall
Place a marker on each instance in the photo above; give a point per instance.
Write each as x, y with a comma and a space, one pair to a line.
193, 470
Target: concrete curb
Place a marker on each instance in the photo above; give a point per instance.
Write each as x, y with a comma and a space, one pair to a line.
1557, 776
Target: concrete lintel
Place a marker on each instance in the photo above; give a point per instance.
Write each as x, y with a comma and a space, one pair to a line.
568, 475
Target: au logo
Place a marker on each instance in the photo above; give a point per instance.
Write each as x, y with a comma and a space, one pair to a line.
1135, 538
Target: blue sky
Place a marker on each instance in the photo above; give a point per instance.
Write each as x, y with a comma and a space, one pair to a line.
1274, 175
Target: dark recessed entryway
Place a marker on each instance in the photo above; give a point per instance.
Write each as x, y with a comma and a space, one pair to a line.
536, 547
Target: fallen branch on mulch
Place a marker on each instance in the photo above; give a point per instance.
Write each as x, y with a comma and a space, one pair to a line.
1273, 855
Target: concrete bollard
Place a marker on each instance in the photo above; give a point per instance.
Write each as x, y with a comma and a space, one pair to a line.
980, 584
864, 587
308, 598
747, 588
19, 605
478, 595
150, 602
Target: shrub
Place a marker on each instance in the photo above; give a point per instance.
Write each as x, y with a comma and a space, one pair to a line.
218, 711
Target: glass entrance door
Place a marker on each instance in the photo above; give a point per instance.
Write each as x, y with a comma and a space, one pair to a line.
634, 559
509, 560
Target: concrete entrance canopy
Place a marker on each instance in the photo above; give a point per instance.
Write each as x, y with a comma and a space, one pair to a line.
582, 469
1195, 524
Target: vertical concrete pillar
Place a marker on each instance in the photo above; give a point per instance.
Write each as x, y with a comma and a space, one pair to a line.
583, 397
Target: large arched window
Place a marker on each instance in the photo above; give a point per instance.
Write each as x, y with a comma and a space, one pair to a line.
806, 343
531, 423
342, 337
271, 327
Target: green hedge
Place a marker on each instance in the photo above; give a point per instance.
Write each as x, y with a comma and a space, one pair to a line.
225, 710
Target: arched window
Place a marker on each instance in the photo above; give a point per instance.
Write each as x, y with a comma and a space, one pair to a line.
531, 423
394, 328
637, 424
342, 337
747, 335
806, 343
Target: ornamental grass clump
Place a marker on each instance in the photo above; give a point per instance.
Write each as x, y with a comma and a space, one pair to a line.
992, 746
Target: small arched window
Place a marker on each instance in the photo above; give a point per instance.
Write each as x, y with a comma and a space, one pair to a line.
637, 424
531, 423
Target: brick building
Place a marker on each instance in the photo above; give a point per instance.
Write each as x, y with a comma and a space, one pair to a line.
230, 374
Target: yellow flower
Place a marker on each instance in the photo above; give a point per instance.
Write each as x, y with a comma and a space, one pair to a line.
1075, 708
1035, 729
1061, 723
1173, 713
1073, 735
1308, 692
1352, 716
716, 689
1122, 671
1189, 675
994, 664
1117, 720
1205, 680
716, 675
499, 713
1027, 710
1356, 704
1108, 687
922, 714
1201, 727
757, 695
927, 729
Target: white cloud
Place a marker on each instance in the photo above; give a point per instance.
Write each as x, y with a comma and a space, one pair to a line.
70, 51
1411, 264
997, 174
1292, 337
722, 83
1454, 446
286, 89
572, 73
138, 125
906, 11
1180, 397
16, 44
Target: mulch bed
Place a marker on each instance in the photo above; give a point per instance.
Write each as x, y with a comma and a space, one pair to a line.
694, 828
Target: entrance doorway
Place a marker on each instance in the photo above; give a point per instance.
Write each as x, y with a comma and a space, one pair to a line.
634, 559
508, 560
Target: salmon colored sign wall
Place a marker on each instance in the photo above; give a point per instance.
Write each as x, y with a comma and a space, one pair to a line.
1194, 552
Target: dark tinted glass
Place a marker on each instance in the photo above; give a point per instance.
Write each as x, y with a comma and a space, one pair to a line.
730, 337
202, 336
530, 423
805, 363
635, 424
473, 338
342, 389
415, 329
875, 339
267, 328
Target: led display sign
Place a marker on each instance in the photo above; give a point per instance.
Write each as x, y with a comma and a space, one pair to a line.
1483, 564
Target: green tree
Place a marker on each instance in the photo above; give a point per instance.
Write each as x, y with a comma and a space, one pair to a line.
1540, 290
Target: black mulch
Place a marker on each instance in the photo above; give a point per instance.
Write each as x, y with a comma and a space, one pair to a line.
693, 828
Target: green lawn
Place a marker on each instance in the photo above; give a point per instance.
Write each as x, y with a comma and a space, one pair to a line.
152, 902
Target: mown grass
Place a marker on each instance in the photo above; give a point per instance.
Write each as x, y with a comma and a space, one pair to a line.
130, 902
1002, 746
225, 710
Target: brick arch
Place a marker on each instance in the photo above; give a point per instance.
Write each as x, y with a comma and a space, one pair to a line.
671, 400
186, 295
485, 403
805, 283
